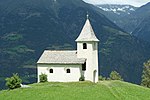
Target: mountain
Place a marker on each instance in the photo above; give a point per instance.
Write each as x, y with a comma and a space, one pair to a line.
143, 30
105, 90
121, 10
28, 27
116, 12
132, 19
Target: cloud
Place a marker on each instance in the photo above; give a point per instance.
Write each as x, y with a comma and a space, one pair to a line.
131, 2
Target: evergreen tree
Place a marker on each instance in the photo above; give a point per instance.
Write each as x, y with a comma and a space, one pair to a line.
13, 82
115, 76
146, 75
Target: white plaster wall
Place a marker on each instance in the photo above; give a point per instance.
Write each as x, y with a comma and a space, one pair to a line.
59, 72
91, 54
95, 60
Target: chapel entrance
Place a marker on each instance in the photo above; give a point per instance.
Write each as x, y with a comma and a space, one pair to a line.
94, 76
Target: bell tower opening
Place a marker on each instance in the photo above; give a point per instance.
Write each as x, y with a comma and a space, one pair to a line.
84, 46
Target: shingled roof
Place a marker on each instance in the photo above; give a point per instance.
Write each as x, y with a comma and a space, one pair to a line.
87, 33
60, 57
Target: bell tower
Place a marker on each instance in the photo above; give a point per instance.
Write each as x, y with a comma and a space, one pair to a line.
87, 47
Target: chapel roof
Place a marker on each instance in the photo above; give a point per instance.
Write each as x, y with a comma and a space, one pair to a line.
60, 57
87, 33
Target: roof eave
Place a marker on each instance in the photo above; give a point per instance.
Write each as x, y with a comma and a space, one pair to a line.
60, 63
87, 40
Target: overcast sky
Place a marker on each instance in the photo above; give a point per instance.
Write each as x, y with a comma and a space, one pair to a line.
131, 2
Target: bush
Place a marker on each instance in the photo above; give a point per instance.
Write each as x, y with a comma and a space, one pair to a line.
108, 78
13, 82
115, 76
82, 78
101, 78
43, 77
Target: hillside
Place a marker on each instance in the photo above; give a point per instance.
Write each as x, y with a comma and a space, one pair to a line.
143, 30
132, 21
28, 27
127, 17
105, 90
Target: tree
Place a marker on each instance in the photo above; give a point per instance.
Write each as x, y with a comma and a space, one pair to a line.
13, 82
146, 75
43, 77
115, 76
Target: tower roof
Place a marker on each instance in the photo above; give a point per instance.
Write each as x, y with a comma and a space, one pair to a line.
87, 33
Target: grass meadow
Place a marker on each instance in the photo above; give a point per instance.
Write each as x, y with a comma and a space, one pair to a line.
104, 90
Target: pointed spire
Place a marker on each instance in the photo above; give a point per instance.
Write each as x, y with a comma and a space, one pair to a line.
87, 15
87, 33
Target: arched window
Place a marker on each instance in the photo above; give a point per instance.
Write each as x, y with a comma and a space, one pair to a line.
51, 71
84, 46
68, 71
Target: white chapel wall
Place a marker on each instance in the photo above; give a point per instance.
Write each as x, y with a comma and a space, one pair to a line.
59, 72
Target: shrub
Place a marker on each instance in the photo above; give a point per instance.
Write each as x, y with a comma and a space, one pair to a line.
101, 78
82, 78
13, 82
108, 78
115, 76
43, 77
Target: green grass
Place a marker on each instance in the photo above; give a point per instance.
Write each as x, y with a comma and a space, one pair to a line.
104, 90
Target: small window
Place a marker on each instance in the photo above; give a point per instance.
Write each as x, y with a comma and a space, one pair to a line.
84, 46
84, 67
51, 71
68, 71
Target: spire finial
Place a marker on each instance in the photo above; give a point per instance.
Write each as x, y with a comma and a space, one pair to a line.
87, 15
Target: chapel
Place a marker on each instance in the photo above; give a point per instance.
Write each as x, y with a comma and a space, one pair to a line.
71, 65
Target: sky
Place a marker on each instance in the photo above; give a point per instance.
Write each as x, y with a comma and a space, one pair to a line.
136, 3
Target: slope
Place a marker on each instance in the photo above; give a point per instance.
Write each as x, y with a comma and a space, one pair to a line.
132, 21
106, 90
125, 16
143, 30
